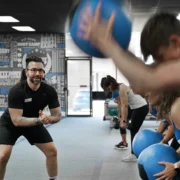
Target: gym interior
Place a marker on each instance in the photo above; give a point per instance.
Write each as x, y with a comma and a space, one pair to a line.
85, 137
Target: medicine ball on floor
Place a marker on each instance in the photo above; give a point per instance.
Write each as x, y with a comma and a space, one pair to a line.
121, 29
149, 158
113, 112
144, 138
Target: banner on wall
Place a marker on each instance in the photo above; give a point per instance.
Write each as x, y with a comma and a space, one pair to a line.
42, 41
6, 38
4, 98
4, 54
3, 101
48, 40
15, 48
30, 40
44, 54
9, 77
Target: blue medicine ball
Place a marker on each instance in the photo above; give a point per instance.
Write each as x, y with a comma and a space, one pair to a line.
144, 138
121, 29
149, 158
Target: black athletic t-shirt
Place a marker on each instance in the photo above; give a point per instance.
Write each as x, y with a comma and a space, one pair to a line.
21, 96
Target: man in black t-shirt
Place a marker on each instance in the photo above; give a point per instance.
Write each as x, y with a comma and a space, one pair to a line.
24, 116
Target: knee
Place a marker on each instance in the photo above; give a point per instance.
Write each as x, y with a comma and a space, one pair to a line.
52, 152
3, 159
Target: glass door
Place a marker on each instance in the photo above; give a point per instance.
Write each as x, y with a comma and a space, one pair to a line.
78, 87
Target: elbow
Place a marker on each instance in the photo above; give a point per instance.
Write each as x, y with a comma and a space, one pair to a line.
57, 119
15, 122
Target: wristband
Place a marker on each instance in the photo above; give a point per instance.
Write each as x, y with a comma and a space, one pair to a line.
176, 168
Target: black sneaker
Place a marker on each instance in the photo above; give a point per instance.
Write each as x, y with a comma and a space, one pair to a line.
121, 146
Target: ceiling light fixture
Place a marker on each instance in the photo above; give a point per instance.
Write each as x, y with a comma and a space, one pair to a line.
23, 28
8, 19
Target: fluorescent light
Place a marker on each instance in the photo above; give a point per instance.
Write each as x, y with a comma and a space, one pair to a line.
178, 16
8, 19
23, 28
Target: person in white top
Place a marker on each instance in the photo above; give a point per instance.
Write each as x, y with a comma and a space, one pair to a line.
127, 98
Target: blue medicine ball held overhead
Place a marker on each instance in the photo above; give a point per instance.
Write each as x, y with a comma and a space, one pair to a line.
121, 28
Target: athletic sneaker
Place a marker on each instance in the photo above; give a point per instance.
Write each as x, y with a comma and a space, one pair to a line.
121, 146
130, 158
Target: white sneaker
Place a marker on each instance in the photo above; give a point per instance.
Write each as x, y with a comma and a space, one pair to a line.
129, 158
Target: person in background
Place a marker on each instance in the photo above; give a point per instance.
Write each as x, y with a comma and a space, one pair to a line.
137, 104
122, 144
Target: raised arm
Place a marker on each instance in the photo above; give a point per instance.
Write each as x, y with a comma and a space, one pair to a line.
140, 76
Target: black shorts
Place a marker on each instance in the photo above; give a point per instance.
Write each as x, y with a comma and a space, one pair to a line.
34, 134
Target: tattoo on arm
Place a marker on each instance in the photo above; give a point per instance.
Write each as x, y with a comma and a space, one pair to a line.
26, 121
57, 116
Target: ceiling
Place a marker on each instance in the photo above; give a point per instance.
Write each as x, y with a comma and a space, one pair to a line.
51, 15
42, 15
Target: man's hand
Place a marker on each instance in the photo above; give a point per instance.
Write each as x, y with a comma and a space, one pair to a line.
44, 118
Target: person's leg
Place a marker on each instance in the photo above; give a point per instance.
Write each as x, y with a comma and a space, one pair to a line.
8, 137
50, 152
123, 135
5, 152
123, 144
138, 116
137, 120
39, 136
124, 139
123, 131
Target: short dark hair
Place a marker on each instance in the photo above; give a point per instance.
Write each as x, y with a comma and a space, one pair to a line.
109, 80
102, 82
157, 31
33, 59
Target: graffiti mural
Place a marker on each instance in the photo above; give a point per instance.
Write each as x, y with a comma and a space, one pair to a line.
14, 49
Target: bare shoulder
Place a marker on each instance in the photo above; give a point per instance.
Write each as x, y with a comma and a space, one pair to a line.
175, 106
124, 88
175, 112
